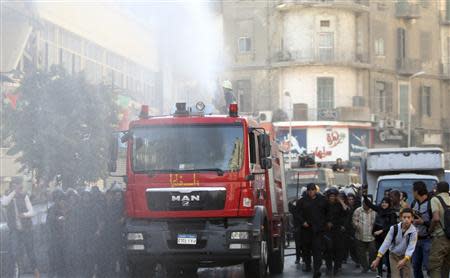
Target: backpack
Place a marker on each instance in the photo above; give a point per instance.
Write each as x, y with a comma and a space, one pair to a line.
430, 213
395, 236
446, 208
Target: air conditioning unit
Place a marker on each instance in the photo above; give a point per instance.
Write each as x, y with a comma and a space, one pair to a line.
265, 116
390, 123
399, 124
373, 118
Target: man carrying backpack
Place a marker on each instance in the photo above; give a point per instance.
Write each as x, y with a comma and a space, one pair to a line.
439, 263
401, 242
422, 219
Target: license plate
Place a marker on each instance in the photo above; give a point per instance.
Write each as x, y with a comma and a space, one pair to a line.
187, 239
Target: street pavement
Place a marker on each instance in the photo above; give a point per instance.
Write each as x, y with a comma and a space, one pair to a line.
291, 270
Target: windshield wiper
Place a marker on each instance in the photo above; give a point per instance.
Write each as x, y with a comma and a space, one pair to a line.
152, 172
219, 171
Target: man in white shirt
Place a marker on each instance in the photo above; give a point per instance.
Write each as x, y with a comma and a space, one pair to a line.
19, 212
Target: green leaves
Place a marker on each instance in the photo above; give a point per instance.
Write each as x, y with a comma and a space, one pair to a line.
61, 126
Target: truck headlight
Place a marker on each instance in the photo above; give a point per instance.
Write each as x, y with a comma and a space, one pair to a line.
135, 236
239, 235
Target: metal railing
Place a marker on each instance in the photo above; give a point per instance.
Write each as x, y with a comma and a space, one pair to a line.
323, 56
337, 2
332, 114
407, 10
444, 17
409, 66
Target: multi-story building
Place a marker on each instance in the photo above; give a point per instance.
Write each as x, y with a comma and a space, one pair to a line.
349, 60
101, 40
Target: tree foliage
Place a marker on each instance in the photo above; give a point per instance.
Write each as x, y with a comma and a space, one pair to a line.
61, 126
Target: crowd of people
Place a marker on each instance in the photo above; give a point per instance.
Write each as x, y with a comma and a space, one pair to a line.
405, 240
84, 230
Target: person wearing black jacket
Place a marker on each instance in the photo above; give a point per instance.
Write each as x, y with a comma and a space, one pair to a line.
334, 233
385, 218
56, 221
312, 212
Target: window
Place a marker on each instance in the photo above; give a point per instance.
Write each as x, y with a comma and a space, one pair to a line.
401, 44
379, 47
425, 46
425, 101
324, 23
244, 95
325, 93
383, 97
66, 60
326, 46
245, 45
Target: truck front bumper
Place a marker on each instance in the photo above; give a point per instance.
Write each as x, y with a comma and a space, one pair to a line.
218, 242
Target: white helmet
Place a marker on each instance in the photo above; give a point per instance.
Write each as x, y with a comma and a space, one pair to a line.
227, 85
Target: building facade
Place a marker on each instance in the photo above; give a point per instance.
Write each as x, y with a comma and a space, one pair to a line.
376, 61
104, 42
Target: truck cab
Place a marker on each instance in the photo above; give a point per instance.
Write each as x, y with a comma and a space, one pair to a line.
203, 190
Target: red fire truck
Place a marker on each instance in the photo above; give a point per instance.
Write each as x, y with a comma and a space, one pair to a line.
203, 191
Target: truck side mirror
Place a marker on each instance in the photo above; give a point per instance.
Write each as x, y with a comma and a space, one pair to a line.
266, 163
264, 145
113, 152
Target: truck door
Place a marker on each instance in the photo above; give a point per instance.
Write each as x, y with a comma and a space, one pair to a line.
258, 184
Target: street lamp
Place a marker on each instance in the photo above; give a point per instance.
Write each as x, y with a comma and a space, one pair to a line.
289, 112
409, 103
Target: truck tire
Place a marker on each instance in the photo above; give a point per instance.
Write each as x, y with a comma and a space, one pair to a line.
276, 258
138, 271
258, 268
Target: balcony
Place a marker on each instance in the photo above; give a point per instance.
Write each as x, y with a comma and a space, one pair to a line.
407, 10
350, 114
358, 6
444, 17
445, 70
408, 66
321, 58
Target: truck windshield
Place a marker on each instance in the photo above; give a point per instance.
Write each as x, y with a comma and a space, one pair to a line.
405, 185
187, 148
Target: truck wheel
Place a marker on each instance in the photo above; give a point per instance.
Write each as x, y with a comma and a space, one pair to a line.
137, 271
276, 258
258, 268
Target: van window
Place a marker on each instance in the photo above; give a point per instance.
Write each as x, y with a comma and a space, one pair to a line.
405, 185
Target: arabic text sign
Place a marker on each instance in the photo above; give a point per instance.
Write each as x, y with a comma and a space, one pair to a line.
328, 144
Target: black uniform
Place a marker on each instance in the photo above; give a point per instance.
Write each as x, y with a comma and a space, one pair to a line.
111, 239
296, 229
88, 229
74, 238
313, 212
56, 221
334, 237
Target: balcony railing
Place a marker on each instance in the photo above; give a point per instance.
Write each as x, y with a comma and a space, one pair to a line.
354, 5
445, 17
408, 66
334, 114
445, 70
407, 10
321, 57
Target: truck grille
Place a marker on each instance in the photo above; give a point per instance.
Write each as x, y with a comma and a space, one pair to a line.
186, 198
